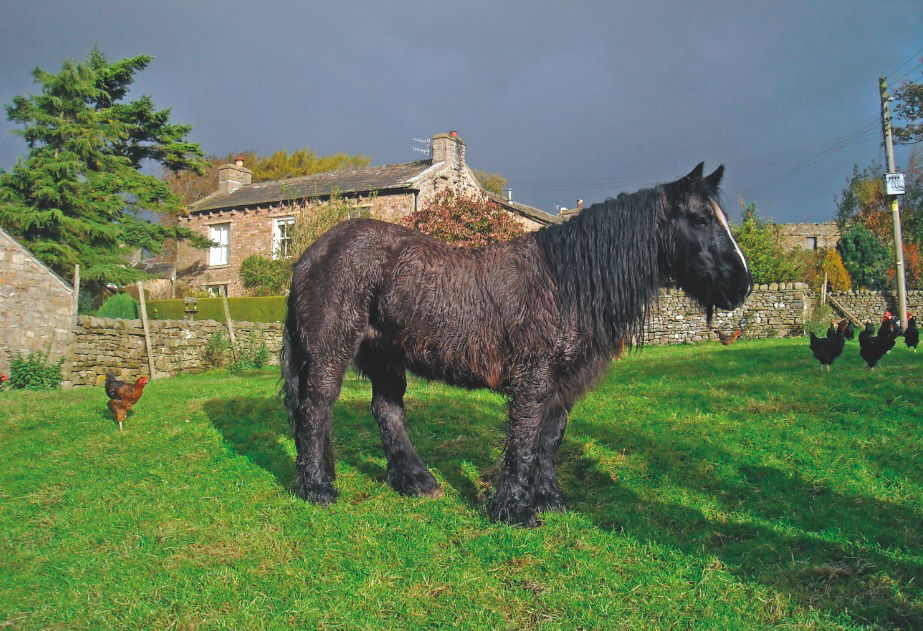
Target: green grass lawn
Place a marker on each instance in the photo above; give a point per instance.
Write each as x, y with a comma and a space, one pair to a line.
709, 487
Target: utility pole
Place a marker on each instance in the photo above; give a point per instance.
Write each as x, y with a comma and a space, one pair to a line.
895, 209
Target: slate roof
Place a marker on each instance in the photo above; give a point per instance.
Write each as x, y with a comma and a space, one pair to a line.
365, 179
528, 211
379, 178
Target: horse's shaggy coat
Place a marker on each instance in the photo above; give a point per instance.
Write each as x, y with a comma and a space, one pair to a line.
536, 318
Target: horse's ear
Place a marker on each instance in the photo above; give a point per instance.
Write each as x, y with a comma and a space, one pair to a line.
715, 178
696, 173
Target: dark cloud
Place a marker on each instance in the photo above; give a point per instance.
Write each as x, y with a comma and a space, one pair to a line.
566, 100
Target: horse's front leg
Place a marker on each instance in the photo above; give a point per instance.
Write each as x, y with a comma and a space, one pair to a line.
514, 500
547, 493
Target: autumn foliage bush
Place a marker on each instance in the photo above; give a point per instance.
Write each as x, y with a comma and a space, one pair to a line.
837, 275
468, 221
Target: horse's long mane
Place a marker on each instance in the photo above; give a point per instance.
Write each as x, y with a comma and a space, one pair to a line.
605, 262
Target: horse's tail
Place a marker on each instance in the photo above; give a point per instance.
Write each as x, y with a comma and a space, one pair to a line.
293, 359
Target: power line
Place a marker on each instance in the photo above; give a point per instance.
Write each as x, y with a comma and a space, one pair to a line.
909, 59
805, 155
811, 159
808, 151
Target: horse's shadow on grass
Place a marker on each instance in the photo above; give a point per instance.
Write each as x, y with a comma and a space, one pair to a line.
840, 553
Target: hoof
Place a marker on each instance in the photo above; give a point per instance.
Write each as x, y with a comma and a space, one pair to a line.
550, 505
434, 494
417, 484
517, 516
320, 495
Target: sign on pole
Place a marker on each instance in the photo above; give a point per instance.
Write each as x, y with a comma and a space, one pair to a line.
894, 183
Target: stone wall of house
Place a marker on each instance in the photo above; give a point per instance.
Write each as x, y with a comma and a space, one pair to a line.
103, 345
252, 233
810, 236
872, 304
36, 305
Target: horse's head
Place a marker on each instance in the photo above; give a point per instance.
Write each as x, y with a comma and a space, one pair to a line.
697, 248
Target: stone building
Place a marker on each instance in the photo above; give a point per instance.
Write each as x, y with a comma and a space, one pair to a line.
810, 236
247, 218
36, 305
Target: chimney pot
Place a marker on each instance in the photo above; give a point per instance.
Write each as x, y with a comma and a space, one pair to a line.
453, 134
239, 161
579, 204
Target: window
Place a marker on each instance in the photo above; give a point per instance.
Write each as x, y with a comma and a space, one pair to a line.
220, 234
810, 243
282, 229
216, 291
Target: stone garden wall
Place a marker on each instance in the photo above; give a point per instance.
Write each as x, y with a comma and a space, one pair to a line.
872, 304
102, 345
770, 311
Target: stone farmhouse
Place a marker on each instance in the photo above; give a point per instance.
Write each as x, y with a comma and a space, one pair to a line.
36, 305
247, 218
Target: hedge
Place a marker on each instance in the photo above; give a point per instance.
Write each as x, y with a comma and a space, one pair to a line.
250, 309
119, 306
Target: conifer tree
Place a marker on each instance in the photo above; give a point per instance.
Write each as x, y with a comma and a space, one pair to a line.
78, 195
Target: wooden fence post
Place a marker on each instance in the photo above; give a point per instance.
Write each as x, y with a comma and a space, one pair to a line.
227, 315
823, 291
147, 332
76, 291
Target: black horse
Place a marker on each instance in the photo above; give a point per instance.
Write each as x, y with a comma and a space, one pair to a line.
536, 318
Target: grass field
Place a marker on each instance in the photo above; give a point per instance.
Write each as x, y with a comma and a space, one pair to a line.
709, 487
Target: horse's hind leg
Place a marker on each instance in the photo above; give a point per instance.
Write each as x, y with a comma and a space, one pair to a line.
384, 366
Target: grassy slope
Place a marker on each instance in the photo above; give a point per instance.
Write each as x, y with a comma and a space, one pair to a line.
709, 487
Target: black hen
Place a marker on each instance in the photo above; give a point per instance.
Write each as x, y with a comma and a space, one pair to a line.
888, 331
911, 333
827, 349
850, 332
873, 347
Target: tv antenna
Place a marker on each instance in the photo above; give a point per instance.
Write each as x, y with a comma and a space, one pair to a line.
427, 148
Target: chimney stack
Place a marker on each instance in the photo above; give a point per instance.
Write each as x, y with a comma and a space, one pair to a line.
449, 148
232, 176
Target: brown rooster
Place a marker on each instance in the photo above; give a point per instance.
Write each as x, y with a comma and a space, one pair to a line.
123, 395
727, 339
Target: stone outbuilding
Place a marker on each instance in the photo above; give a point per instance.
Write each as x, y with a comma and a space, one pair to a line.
247, 218
37, 306
810, 236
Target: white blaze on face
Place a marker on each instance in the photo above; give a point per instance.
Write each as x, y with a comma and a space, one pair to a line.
721, 219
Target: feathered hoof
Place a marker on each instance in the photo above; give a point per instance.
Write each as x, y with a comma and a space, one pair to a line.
322, 495
420, 483
524, 516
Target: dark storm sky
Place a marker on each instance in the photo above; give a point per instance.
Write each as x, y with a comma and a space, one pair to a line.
566, 100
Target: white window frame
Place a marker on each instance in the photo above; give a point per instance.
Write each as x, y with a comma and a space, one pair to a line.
219, 255
215, 291
811, 242
277, 238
